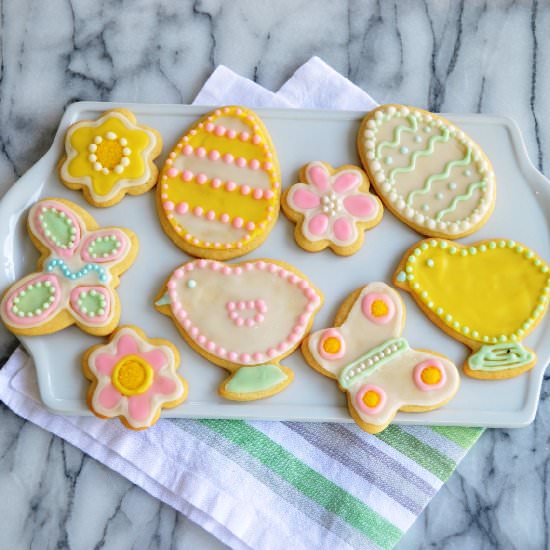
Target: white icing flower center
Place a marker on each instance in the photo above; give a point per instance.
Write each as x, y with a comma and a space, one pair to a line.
331, 204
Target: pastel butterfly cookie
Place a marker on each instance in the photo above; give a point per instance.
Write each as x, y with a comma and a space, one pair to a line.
331, 207
374, 365
489, 295
133, 377
220, 186
109, 157
243, 317
427, 171
77, 273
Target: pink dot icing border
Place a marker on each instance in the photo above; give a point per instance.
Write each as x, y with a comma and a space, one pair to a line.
361, 404
295, 335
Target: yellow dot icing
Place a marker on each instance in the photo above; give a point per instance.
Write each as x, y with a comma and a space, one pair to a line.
132, 375
379, 308
431, 376
332, 345
493, 291
371, 398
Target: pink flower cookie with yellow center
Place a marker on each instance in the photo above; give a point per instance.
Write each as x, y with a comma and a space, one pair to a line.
133, 378
332, 208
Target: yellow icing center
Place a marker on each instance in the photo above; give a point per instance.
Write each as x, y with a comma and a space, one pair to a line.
109, 153
379, 308
371, 399
132, 375
495, 291
431, 376
332, 345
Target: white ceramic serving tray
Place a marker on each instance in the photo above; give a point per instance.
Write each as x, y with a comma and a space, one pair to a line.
522, 213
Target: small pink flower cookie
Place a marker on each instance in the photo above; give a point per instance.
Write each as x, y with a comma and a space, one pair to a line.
365, 352
331, 207
133, 378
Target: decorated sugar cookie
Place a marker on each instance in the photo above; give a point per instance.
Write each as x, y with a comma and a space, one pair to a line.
133, 377
109, 157
372, 362
428, 172
489, 296
77, 273
243, 317
331, 208
220, 186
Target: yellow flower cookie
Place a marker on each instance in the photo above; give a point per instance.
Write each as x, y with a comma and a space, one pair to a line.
109, 157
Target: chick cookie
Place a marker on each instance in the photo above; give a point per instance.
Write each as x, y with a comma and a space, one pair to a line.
244, 317
133, 377
427, 171
331, 207
77, 273
219, 190
109, 157
374, 365
489, 295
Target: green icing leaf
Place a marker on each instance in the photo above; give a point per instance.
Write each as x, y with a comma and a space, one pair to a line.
103, 246
503, 356
57, 226
32, 298
256, 379
91, 303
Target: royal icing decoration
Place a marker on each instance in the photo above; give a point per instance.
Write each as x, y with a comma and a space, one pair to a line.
427, 171
78, 271
375, 365
110, 156
244, 317
489, 295
332, 207
220, 186
133, 378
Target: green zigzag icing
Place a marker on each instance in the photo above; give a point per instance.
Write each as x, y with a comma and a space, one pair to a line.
441, 176
397, 131
468, 195
423, 153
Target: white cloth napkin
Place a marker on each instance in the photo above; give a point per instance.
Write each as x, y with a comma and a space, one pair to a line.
268, 484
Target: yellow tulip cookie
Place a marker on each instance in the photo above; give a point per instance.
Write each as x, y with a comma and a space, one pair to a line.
219, 190
427, 171
109, 157
489, 296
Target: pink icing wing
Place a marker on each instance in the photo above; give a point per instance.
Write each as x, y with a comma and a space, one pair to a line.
318, 175
32, 301
56, 226
92, 305
105, 245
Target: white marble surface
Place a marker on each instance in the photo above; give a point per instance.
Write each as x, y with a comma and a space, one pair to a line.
448, 56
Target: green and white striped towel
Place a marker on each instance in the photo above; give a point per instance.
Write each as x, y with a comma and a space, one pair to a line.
269, 485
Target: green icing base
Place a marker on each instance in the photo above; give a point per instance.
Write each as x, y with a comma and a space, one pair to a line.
255, 379
490, 358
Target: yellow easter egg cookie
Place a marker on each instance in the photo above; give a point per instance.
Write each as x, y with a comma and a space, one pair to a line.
427, 171
489, 296
109, 157
219, 190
